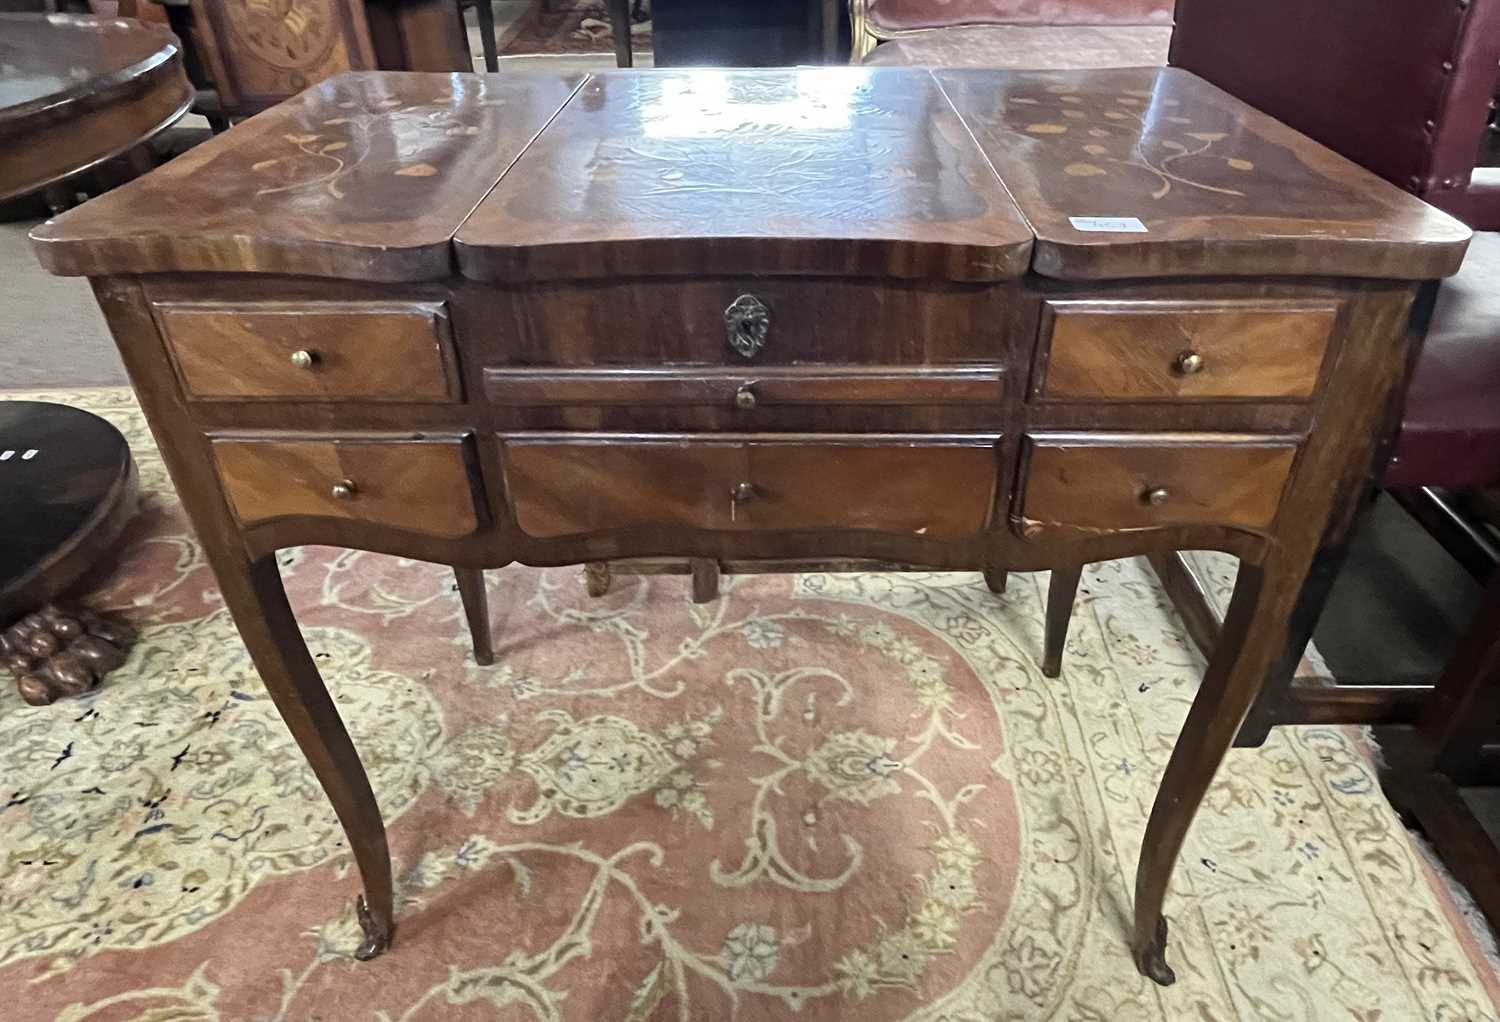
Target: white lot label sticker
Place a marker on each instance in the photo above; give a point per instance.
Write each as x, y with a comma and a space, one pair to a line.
1115, 224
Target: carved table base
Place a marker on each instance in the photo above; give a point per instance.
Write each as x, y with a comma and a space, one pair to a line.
61, 652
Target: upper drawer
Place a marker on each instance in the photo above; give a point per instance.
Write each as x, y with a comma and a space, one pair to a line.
747, 389
426, 485
312, 351
1182, 350
565, 484
739, 322
1112, 483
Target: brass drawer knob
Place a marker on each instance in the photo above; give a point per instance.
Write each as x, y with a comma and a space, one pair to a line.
747, 322
1189, 362
742, 492
1156, 496
744, 398
304, 359
344, 489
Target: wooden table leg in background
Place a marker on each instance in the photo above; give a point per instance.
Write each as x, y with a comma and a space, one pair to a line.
477, 611
1062, 589
830, 33
619, 23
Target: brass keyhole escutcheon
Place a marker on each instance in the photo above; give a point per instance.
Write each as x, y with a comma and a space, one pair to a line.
304, 358
747, 323
1156, 496
1189, 362
345, 489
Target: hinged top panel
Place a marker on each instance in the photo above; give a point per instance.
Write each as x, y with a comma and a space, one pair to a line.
1148, 172
365, 176
847, 171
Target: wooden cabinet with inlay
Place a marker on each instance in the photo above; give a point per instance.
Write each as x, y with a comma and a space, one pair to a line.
745, 317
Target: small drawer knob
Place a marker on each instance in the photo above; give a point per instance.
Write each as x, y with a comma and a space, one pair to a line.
304, 359
1156, 496
744, 398
344, 489
742, 492
1189, 362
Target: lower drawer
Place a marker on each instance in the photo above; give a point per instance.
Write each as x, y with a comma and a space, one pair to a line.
566, 484
426, 485
1113, 483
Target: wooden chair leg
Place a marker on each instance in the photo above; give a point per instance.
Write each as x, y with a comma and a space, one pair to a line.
477, 609
486, 14
997, 579
1465, 704
1061, 591
596, 577
705, 579
619, 23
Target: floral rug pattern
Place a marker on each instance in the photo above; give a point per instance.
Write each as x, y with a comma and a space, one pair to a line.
819, 797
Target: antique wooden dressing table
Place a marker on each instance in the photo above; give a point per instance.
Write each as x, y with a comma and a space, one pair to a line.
952, 319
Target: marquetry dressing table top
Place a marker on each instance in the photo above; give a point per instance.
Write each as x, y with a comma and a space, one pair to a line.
961, 319
890, 172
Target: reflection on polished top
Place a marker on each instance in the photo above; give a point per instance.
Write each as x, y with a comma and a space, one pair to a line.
747, 156
860, 171
45, 59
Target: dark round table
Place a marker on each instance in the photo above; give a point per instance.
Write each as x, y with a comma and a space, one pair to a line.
69, 488
78, 90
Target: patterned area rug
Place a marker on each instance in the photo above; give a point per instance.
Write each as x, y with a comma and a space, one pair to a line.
558, 26
822, 797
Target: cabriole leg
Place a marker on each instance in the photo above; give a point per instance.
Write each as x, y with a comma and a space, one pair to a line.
257, 601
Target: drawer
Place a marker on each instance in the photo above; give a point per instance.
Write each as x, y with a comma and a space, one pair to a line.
1114, 483
740, 322
427, 484
565, 484
747, 390
312, 351
1182, 350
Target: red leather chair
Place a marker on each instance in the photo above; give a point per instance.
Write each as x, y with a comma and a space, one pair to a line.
1022, 34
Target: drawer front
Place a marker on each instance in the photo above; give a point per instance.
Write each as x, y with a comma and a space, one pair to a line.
426, 485
561, 485
1182, 351
1110, 484
747, 390
317, 351
750, 322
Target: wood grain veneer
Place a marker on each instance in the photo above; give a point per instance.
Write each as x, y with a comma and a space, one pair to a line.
422, 485
1104, 483
563, 485
1140, 350
318, 351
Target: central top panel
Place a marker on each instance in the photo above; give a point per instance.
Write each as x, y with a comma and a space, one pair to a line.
849, 172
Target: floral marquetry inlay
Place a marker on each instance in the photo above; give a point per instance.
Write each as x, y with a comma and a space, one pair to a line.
292, 34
